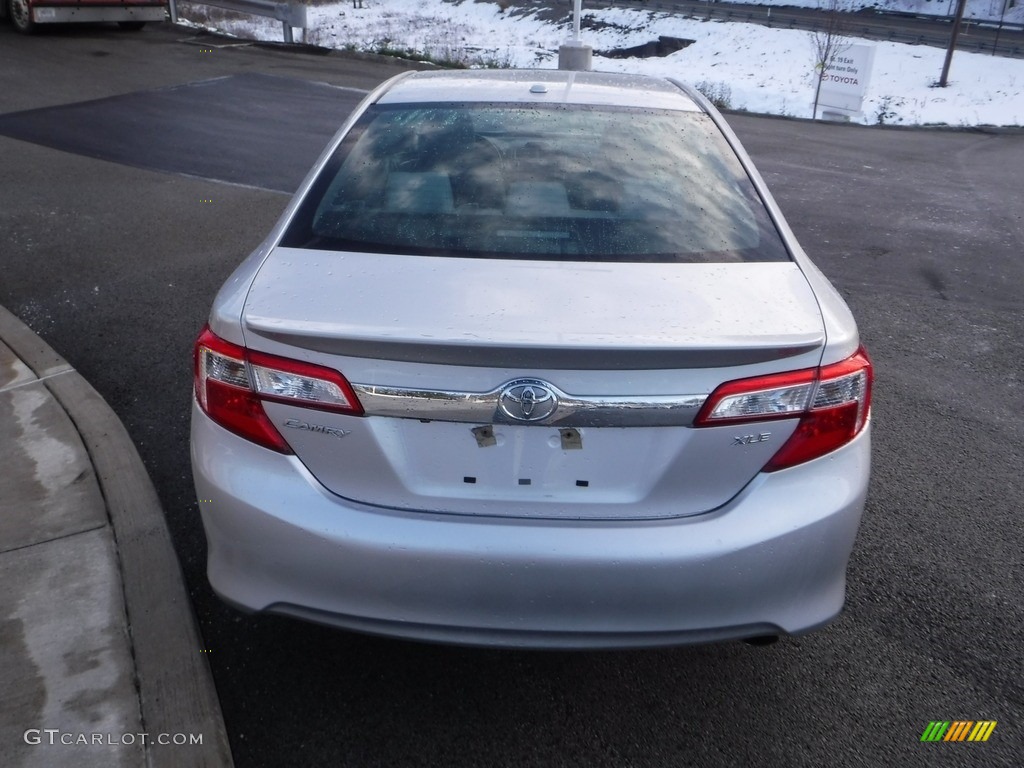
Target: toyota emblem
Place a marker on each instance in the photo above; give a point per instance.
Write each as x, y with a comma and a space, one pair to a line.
527, 400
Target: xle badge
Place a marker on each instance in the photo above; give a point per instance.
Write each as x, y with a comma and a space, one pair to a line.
761, 437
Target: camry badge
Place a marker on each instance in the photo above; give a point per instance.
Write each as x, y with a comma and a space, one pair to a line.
527, 400
318, 428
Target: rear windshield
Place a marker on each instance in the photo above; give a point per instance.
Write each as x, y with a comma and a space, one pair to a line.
538, 182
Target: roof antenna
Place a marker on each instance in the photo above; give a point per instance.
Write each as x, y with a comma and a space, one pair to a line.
573, 54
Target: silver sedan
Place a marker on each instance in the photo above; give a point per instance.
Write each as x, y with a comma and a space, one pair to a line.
532, 359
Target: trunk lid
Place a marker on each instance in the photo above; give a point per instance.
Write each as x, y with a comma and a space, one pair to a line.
446, 353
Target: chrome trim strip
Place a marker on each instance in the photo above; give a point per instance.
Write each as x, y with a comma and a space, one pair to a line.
572, 410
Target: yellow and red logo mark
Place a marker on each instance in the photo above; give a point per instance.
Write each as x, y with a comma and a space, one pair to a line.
958, 730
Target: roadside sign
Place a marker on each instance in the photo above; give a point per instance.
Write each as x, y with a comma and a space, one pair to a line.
846, 82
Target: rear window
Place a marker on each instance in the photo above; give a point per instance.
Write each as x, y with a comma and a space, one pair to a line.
539, 182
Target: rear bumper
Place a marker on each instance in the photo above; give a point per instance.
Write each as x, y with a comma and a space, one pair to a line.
771, 561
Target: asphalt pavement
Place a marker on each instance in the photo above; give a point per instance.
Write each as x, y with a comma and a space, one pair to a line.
114, 260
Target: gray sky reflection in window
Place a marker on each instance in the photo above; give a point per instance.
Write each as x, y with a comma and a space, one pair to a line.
539, 182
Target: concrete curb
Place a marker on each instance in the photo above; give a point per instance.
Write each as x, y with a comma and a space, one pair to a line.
175, 684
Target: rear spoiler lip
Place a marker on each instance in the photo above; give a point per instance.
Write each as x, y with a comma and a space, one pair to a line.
480, 354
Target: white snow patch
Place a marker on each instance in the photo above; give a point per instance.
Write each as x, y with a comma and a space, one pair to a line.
760, 69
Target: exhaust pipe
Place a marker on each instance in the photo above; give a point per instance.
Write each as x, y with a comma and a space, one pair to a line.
762, 640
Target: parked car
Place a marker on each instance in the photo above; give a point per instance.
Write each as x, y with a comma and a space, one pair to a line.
533, 359
26, 15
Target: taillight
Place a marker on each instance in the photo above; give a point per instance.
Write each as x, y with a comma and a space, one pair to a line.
231, 382
832, 402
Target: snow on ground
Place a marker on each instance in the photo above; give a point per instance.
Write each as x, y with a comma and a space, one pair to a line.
758, 69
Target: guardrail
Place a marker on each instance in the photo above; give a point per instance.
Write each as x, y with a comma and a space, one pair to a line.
1003, 39
290, 13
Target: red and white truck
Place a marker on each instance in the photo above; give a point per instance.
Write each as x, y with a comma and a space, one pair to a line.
26, 15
